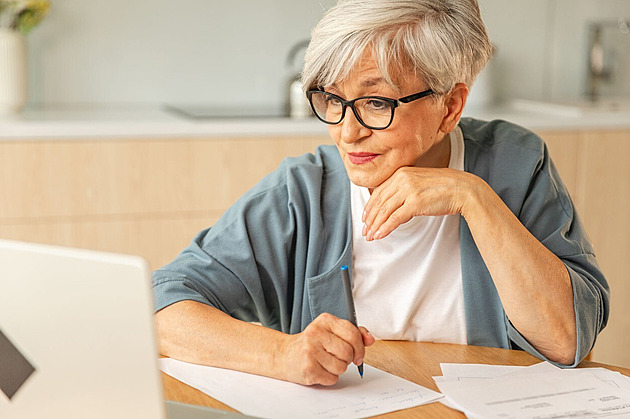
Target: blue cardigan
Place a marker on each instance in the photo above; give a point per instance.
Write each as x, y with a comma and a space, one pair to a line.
274, 256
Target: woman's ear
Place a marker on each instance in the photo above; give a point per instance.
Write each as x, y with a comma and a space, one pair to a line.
454, 105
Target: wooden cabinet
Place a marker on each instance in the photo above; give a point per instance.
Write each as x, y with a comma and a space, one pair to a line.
594, 166
605, 178
563, 148
145, 197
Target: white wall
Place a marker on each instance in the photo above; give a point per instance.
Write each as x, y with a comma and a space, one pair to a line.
213, 51
155, 51
570, 43
542, 46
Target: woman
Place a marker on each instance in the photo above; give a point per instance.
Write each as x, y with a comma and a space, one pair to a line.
457, 231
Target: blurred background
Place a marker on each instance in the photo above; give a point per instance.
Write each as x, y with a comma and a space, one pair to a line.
236, 52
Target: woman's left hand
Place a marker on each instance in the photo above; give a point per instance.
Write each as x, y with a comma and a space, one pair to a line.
414, 191
531, 281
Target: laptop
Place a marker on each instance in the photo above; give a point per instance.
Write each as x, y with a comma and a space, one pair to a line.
77, 337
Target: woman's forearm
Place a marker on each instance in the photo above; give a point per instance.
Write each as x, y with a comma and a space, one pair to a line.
533, 283
197, 333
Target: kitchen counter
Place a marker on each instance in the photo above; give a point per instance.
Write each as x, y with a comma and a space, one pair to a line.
548, 117
154, 122
142, 122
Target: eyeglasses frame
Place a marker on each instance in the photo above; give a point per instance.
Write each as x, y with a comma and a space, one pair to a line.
350, 103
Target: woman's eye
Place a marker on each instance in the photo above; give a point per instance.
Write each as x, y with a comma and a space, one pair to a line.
377, 104
333, 101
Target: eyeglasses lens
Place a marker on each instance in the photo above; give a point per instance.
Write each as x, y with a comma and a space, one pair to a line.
373, 112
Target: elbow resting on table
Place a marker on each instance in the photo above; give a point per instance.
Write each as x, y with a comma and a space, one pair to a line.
566, 357
560, 349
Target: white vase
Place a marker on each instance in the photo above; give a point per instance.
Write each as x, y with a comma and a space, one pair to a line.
12, 72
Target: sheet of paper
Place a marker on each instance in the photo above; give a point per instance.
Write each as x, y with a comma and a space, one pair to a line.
352, 397
612, 378
542, 390
463, 372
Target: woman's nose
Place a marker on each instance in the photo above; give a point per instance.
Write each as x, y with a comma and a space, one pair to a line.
351, 128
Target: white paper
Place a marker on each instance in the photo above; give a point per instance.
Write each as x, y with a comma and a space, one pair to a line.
465, 372
539, 391
352, 397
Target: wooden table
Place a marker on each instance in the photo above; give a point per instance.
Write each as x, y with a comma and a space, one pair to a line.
414, 361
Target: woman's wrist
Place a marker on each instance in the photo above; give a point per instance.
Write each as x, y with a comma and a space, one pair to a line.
473, 196
277, 353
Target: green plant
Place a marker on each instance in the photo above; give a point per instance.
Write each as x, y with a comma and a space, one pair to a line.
22, 15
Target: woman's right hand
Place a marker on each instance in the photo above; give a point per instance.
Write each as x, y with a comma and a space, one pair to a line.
323, 351
197, 333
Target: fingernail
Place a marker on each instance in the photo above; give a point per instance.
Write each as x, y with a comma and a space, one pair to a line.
377, 235
359, 362
369, 235
364, 231
364, 216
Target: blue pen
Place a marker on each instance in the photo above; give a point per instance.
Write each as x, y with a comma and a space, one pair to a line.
345, 276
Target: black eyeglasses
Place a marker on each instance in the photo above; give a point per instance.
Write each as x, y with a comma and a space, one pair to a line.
373, 112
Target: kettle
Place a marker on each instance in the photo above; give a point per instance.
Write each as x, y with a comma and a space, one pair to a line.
297, 105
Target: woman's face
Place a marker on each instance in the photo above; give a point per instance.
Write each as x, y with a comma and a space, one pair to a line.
413, 139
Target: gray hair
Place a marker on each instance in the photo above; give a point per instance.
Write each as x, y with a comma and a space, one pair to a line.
443, 41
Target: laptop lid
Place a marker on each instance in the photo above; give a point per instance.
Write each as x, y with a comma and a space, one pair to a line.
77, 337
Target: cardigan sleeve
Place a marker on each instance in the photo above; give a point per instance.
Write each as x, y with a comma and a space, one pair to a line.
255, 262
240, 265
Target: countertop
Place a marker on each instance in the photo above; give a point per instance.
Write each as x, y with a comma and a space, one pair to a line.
150, 122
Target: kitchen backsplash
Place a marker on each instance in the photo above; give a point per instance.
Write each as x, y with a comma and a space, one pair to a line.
232, 53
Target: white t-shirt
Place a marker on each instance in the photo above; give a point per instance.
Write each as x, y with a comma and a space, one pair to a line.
408, 286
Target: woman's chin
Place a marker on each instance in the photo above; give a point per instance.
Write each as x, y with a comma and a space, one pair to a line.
367, 175
363, 181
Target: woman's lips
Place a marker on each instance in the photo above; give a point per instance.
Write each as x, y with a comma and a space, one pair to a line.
361, 158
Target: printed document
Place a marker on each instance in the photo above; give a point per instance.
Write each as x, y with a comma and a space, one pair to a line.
540, 391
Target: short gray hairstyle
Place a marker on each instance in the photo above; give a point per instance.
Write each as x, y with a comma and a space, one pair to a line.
443, 41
